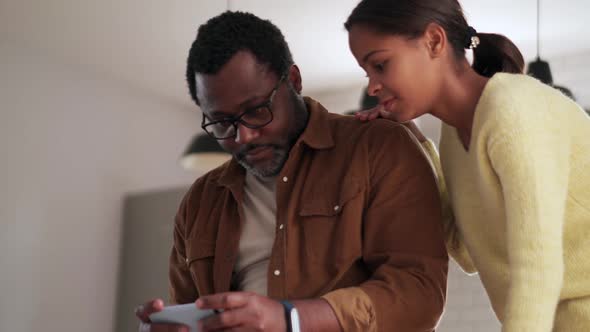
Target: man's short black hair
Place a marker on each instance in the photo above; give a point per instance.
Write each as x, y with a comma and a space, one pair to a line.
223, 36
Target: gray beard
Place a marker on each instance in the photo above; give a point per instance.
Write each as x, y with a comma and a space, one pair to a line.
271, 168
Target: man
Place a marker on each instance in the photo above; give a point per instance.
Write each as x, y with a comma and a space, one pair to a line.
317, 211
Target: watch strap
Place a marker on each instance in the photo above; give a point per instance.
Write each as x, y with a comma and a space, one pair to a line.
288, 306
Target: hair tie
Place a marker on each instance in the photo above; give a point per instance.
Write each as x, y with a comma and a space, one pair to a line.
471, 38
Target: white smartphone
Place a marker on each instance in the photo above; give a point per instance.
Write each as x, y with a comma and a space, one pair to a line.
185, 314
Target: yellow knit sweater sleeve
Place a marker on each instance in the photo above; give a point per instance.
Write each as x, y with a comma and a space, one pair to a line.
529, 153
453, 237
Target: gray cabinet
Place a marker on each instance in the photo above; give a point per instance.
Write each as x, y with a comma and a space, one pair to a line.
148, 220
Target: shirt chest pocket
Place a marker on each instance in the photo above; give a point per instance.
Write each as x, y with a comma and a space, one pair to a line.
200, 258
331, 222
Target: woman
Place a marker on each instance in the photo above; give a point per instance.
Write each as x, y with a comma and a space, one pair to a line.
515, 155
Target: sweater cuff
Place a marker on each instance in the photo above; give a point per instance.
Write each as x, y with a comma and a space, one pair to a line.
531, 303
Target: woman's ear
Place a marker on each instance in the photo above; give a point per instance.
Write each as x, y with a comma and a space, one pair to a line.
436, 39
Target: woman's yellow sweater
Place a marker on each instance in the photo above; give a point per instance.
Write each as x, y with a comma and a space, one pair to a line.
521, 201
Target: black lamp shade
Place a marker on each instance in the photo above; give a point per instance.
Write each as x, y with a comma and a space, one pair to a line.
202, 143
565, 91
203, 154
368, 101
540, 70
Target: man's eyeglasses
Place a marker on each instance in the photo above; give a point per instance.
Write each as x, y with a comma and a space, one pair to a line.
252, 118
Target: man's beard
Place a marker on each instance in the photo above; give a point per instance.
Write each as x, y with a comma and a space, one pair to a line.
270, 168
281, 149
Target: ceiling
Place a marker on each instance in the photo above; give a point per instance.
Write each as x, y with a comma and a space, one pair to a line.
144, 43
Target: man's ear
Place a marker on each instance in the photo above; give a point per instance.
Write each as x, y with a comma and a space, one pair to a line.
295, 78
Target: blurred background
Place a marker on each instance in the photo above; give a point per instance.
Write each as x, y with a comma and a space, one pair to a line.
95, 117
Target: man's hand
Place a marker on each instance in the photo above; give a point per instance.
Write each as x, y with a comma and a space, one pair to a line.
144, 311
242, 311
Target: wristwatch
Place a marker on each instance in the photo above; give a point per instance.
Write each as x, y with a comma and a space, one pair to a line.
291, 317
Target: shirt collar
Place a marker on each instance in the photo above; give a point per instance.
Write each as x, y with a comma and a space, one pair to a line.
318, 133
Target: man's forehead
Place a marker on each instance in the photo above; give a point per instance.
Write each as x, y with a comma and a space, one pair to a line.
241, 78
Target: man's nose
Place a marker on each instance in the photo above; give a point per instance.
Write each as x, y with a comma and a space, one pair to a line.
246, 135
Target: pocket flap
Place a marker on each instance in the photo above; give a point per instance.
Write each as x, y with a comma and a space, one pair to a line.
330, 204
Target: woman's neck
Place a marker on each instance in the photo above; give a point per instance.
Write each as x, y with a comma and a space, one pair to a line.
459, 99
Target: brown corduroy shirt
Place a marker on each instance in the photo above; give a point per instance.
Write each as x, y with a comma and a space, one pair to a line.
358, 223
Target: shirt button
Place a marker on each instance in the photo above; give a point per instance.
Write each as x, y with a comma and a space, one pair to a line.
281, 226
186, 260
285, 179
277, 273
336, 208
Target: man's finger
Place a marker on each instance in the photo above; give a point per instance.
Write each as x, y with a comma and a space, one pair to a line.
225, 320
144, 311
225, 301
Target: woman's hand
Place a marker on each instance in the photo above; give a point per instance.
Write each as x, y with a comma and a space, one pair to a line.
379, 112
373, 113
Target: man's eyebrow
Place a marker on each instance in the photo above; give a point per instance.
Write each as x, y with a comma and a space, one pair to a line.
218, 114
243, 104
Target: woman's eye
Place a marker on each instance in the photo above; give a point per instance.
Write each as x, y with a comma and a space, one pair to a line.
380, 67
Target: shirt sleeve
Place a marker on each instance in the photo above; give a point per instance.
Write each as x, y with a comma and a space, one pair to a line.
181, 286
403, 245
530, 155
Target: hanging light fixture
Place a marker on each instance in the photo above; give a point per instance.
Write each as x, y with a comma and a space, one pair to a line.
204, 152
366, 103
539, 68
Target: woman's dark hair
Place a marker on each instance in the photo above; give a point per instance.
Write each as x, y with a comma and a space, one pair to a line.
495, 53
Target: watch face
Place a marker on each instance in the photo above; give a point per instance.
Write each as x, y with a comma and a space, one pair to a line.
295, 321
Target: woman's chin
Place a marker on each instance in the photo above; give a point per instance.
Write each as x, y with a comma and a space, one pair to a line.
401, 118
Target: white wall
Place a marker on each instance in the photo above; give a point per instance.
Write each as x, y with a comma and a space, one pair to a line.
72, 143
573, 72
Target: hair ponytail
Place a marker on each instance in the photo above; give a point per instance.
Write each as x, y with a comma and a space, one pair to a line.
496, 53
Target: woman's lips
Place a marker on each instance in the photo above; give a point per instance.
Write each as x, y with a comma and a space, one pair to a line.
389, 104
